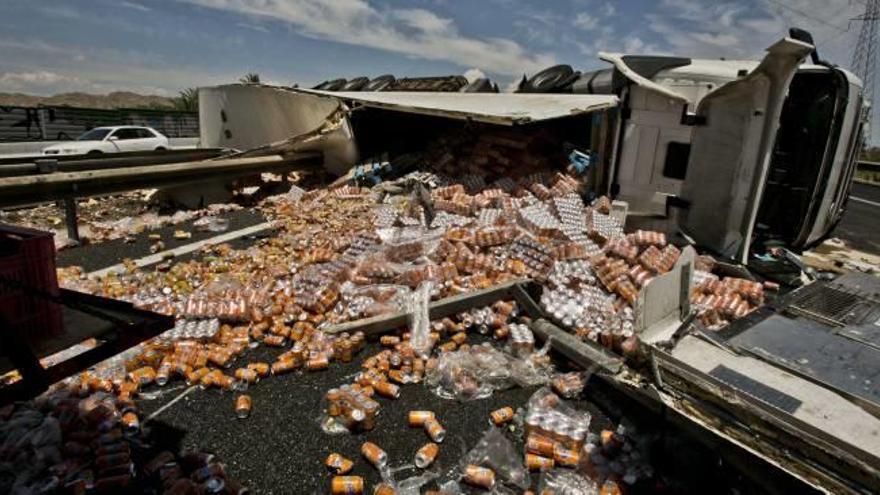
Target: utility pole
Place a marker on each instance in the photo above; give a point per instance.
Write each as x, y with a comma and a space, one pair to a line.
864, 62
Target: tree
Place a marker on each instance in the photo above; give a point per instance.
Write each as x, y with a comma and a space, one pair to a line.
188, 100
250, 78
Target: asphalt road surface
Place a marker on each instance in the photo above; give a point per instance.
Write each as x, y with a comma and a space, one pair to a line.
860, 225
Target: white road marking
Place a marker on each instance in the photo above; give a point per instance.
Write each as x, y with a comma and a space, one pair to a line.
169, 404
867, 202
185, 249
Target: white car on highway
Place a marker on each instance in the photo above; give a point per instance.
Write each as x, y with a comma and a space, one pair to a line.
111, 140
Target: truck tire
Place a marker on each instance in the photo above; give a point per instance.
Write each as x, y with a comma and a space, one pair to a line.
331, 85
379, 83
555, 79
356, 84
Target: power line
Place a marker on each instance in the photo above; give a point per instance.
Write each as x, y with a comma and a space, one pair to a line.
808, 16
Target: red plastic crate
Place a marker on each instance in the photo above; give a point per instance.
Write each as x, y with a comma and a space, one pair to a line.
28, 256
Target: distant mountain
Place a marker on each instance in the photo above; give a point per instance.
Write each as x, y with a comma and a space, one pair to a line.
117, 99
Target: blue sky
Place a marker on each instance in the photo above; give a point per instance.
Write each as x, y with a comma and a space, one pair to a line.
162, 46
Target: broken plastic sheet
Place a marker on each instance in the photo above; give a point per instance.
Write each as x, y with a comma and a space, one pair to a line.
496, 452
420, 320
402, 244
366, 301
477, 372
566, 482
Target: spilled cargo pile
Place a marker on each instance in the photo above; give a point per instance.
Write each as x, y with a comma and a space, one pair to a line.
76, 441
481, 211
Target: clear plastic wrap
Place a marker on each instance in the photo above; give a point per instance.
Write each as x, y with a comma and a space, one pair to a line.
419, 320
497, 453
569, 385
561, 482
475, 373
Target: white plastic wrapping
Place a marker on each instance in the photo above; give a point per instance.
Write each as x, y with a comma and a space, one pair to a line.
419, 320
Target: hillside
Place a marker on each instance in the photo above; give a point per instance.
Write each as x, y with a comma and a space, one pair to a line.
117, 99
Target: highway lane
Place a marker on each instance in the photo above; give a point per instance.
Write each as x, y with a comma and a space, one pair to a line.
859, 226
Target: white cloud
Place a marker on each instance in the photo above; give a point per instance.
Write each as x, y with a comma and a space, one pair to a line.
728, 29
252, 27
473, 74
424, 20
134, 6
414, 32
585, 21
608, 9
36, 80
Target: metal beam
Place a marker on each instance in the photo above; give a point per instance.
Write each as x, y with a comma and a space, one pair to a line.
437, 309
17, 166
29, 189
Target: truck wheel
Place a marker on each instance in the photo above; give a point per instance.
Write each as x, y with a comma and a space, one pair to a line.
550, 80
94, 152
161, 148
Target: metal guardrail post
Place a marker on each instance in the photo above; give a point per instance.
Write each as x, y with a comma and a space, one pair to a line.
70, 219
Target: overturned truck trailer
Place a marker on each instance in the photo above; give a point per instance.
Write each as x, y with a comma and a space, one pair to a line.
734, 157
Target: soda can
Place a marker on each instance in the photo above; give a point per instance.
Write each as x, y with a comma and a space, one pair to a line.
502, 416
347, 485
387, 389
318, 363
565, 456
243, 406
338, 464
284, 366
418, 418
435, 430
479, 476
540, 444
535, 462
130, 422
262, 369
246, 375
374, 454
426, 455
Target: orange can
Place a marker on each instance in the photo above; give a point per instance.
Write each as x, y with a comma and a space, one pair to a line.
243, 406
426, 455
130, 422
566, 457
535, 462
338, 464
284, 366
479, 476
262, 369
246, 375
374, 454
502, 416
435, 430
610, 488
347, 485
318, 363
418, 418
387, 389
541, 445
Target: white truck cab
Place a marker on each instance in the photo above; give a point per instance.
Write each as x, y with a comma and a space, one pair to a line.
737, 154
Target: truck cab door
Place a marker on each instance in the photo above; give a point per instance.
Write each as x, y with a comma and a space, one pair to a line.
731, 147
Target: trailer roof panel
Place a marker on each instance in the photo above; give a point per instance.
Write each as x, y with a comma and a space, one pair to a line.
493, 108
